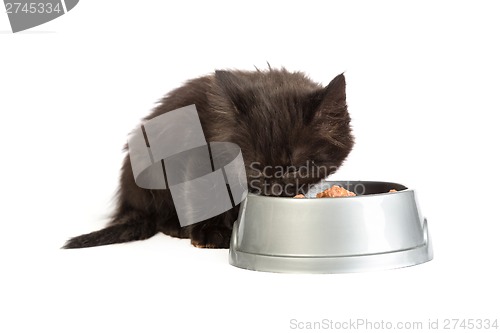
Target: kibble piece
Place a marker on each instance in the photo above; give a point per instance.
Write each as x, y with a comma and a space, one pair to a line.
299, 196
392, 191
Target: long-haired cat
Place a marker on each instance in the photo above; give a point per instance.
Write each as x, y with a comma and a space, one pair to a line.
279, 119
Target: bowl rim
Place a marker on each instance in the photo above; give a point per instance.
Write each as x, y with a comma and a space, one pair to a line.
336, 182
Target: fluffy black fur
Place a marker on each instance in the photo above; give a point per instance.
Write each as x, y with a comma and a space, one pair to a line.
278, 118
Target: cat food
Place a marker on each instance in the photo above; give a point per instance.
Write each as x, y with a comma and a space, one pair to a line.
335, 192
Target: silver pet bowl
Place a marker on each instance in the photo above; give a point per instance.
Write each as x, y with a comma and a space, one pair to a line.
372, 231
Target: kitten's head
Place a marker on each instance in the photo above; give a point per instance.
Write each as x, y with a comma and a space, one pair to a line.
292, 132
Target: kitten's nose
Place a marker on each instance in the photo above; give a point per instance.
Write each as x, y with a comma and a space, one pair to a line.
276, 189
272, 188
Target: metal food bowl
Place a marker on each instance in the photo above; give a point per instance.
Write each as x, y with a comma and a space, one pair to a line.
372, 231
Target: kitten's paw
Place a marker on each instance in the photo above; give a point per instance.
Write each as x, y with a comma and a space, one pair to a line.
213, 237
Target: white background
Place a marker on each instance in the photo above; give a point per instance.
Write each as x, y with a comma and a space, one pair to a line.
423, 84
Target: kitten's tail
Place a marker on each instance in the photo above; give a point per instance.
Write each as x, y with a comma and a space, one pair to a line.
127, 229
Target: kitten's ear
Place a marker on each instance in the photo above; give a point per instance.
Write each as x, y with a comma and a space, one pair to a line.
329, 100
331, 120
233, 87
334, 93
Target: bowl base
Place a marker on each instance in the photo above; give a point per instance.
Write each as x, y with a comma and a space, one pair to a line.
332, 264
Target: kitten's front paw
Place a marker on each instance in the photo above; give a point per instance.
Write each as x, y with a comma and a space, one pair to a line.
213, 237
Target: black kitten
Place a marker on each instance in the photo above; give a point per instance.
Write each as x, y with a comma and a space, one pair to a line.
292, 133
